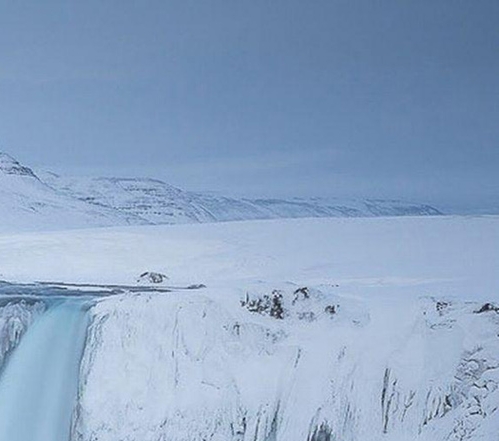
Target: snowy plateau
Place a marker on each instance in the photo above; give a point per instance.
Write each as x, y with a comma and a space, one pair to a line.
355, 328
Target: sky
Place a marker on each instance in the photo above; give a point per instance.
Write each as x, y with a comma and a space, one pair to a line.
368, 98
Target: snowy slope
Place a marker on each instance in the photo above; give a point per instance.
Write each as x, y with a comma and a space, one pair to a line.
149, 199
317, 329
161, 203
26, 203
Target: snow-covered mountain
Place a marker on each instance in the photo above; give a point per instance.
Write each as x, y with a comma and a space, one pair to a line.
160, 203
43, 200
26, 202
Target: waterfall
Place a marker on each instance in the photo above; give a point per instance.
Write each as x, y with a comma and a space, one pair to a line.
39, 383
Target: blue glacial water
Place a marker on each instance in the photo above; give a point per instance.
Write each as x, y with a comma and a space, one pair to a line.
38, 385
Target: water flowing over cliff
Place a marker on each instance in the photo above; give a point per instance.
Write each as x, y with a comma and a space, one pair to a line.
39, 381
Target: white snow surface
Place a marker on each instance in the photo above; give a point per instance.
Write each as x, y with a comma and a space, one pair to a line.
420, 255
377, 333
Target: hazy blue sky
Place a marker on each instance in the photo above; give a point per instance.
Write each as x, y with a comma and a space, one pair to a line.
394, 97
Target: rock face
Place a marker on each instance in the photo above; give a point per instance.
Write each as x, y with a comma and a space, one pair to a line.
150, 277
488, 307
9, 166
188, 367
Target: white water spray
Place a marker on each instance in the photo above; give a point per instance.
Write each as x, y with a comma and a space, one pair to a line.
39, 384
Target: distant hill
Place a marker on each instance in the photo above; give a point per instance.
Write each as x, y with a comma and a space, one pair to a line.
28, 203
30, 200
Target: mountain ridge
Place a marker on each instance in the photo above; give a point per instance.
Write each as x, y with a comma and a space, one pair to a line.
32, 199
160, 202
